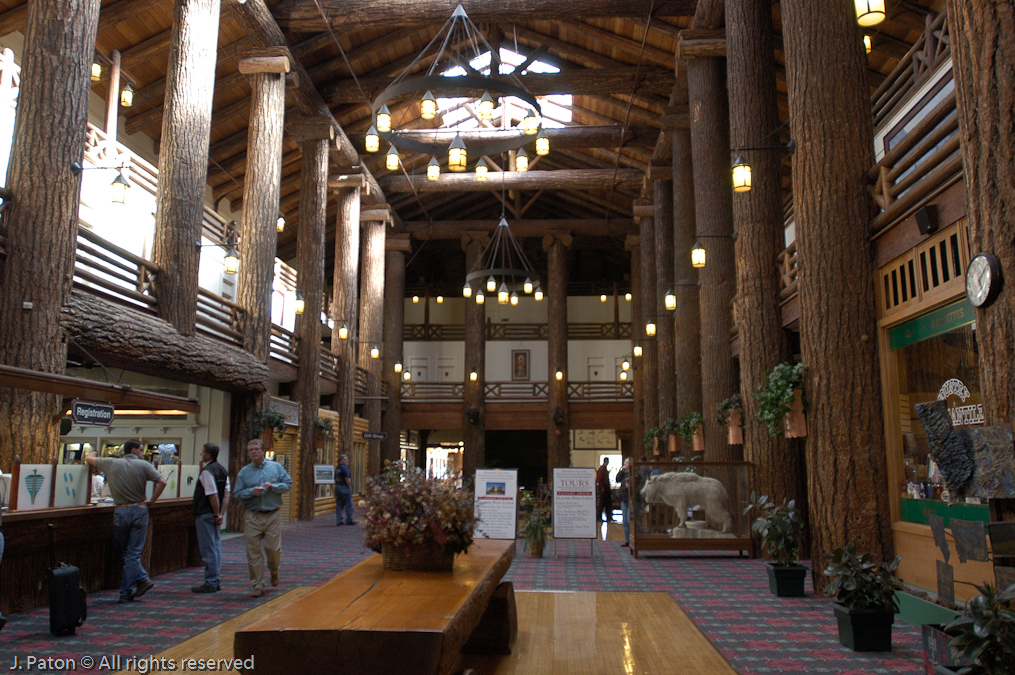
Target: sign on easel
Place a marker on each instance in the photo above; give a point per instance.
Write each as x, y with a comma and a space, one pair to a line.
496, 504
574, 504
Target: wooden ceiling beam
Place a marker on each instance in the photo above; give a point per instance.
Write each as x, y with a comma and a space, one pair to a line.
645, 53
591, 136
565, 50
453, 229
514, 180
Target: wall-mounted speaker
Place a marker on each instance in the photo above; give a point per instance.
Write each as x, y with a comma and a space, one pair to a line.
926, 219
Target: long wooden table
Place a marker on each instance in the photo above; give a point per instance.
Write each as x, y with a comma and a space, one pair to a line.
369, 620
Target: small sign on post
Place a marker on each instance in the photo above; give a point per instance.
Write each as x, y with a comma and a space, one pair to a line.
87, 412
374, 435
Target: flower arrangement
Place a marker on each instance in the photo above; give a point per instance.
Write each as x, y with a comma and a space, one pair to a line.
404, 507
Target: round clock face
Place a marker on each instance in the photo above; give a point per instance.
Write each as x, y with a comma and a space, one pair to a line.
983, 279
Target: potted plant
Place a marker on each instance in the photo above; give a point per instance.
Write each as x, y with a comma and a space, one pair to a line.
669, 430
652, 437
689, 428
323, 430
986, 637
267, 424
864, 593
781, 402
781, 529
534, 532
730, 412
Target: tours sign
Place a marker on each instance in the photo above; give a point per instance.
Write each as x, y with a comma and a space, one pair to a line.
574, 503
96, 414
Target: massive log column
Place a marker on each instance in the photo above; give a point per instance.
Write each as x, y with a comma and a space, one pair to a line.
649, 360
830, 119
687, 352
310, 285
474, 410
713, 190
633, 246
344, 312
394, 321
558, 436
983, 52
49, 135
183, 159
371, 330
757, 215
663, 246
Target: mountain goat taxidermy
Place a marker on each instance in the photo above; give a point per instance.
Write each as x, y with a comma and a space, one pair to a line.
684, 490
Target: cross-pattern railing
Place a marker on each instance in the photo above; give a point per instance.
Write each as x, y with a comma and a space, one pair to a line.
788, 271
517, 331
505, 391
919, 63
517, 391
283, 346
110, 272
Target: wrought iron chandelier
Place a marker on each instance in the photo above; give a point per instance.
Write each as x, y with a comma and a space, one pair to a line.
503, 269
458, 43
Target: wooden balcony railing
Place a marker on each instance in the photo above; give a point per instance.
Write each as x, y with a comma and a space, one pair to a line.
919, 63
283, 346
219, 318
599, 391
438, 392
112, 273
361, 382
517, 331
514, 391
329, 365
788, 271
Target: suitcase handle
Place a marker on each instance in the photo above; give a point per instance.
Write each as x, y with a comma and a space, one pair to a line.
52, 548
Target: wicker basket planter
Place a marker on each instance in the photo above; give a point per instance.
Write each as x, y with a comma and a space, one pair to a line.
417, 557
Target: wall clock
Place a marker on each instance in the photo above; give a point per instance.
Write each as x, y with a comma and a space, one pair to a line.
983, 280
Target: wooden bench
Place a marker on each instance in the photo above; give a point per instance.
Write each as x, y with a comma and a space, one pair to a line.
369, 620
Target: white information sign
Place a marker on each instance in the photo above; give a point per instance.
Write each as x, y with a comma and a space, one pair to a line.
496, 504
574, 504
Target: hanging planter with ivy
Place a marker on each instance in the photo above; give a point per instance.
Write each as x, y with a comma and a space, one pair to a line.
669, 430
652, 437
730, 412
323, 430
781, 404
267, 424
689, 428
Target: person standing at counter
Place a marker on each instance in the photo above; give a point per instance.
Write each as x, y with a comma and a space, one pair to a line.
128, 478
259, 485
211, 498
343, 492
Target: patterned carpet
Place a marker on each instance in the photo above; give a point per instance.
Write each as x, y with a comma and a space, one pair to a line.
726, 596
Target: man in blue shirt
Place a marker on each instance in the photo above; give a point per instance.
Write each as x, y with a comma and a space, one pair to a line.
259, 485
343, 492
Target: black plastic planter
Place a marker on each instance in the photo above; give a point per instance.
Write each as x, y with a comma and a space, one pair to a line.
864, 630
786, 581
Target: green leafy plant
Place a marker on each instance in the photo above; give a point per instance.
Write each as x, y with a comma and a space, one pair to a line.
986, 636
669, 427
776, 396
860, 583
269, 419
726, 406
688, 424
779, 526
651, 434
535, 527
324, 427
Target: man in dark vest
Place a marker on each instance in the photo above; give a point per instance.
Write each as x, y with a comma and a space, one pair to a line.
211, 497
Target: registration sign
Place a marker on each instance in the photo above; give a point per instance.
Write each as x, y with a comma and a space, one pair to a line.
96, 414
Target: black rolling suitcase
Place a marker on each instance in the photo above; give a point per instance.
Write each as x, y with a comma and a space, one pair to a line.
67, 608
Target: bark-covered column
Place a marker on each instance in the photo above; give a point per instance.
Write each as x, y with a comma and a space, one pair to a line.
830, 119
649, 359
42, 219
394, 323
371, 330
663, 245
183, 159
310, 286
633, 247
713, 191
344, 312
687, 350
558, 436
983, 54
757, 215
474, 402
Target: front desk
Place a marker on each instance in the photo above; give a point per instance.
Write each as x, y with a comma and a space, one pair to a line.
83, 537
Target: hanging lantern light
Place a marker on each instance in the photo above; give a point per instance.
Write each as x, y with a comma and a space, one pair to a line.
481, 169
375, 353
300, 304
473, 376
372, 142
486, 105
530, 123
480, 298
870, 12
232, 261
623, 376
391, 159
521, 160
741, 175
538, 294
343, 332
384, 120
602, 298
867, 43
127, 96
415, 299
670, 300
625, 365
542, 142
698, 255
96, 71
119, 189
407, 376
559, 375
637, 351
502, 294
527, 286
627, 296
467, 290
457, 154
514, 298
428, 106
650, 329
491, 285
280, 223
433, 169
398, 366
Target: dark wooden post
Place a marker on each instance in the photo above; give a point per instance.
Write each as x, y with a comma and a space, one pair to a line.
649, 373
665, 346
983, 49
713, 191
394, 322
474, 422
371, 330
344, 312
113, 95
633, 247
845, 450
310, 286
757, 215
687, 351
558, 435
183, 159
49, 135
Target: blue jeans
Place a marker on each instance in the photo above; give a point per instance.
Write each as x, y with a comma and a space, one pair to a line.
130, 525
343, 500
210, 545
625, 508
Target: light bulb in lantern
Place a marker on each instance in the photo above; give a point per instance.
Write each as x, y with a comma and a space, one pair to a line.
280, 223
602, 298
741, 175
542, 143
467, 290
473, 376
232, 261
428, 106
538, 294
637, 351
301, 304
96, 71
627, 296
527, 286
398, 367
698, 255
457, 154
486, 105
415, 299
514, 298
870, 12
530, 123
480, 298
650, 328
375, 353
670, 300
343, 332
559, 375
384, 120
623, 376
372, 142
481, 169
521, 160
433, 169
440, 299
391, 159
867, 45
626, 365
491, 285
407, 376
126, 96
502, 294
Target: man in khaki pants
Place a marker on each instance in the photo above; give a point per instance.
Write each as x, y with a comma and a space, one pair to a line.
259, 485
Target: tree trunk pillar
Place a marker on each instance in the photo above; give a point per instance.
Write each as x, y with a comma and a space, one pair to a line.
183, 160
371, 331
558, 443
633, 247
687, 352
830, 120
394, 323
665, 346
344, 312
474, 422
649, 374
42, 219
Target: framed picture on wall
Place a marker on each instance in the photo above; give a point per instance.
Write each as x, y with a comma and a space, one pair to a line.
519, 364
